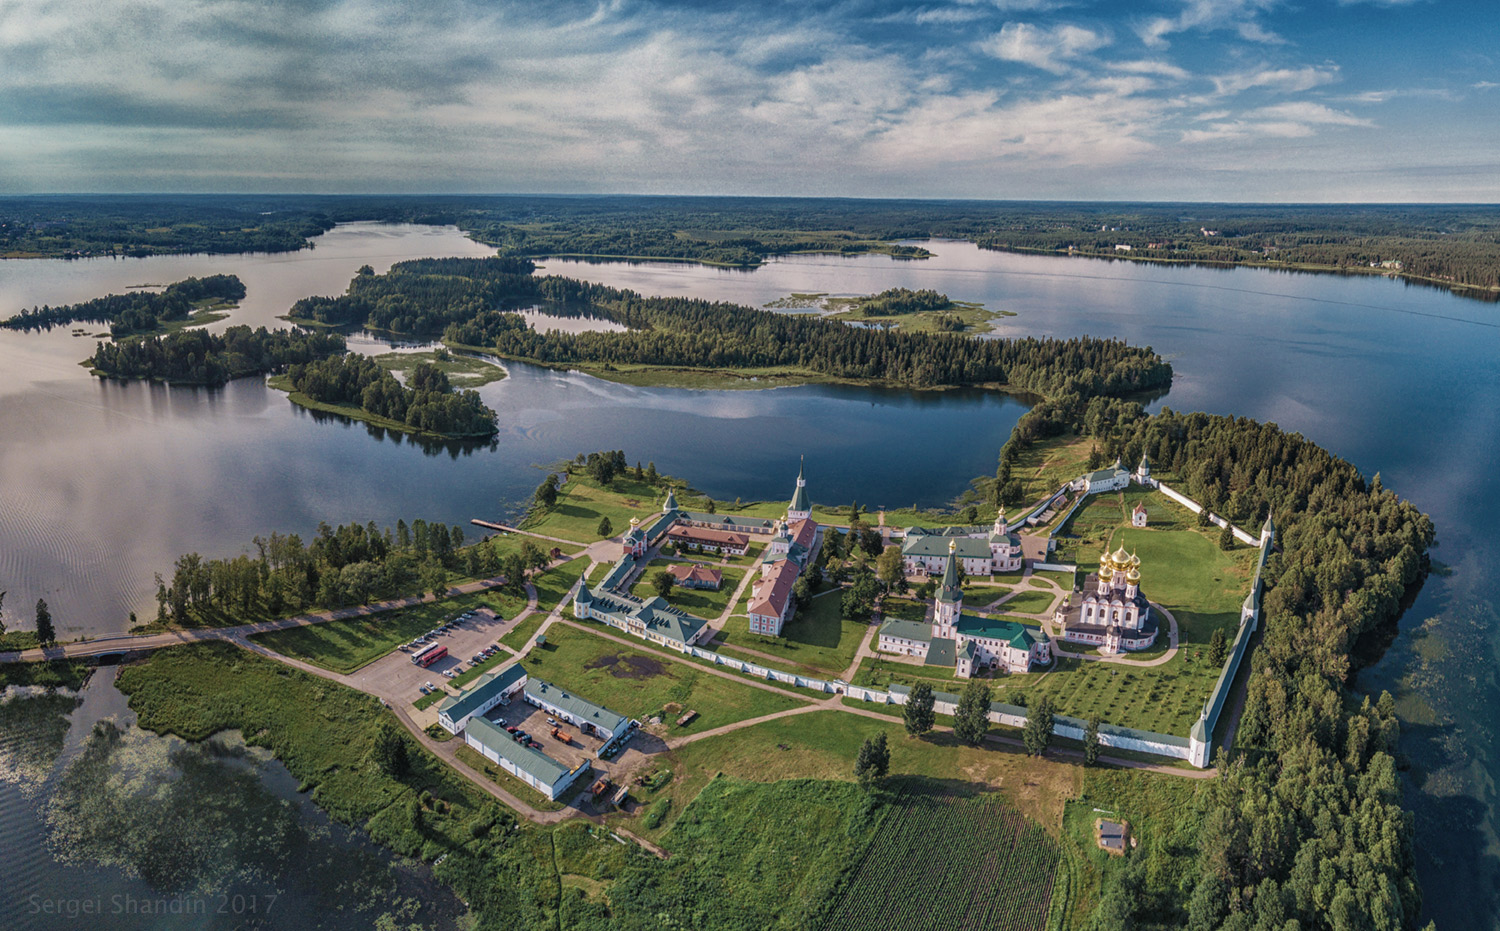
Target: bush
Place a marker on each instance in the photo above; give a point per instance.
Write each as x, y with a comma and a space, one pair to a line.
657, 813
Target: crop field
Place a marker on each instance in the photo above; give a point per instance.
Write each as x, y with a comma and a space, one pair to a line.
950, 862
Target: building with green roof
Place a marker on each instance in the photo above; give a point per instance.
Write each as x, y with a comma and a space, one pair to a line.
587, 716
489, 690
799, 508
966, 643
532, 767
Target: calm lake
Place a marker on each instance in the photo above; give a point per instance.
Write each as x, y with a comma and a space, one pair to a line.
103, 484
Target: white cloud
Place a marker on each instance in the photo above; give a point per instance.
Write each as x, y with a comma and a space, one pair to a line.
947, 15
1146, 66
1209, 15
1484, 85
1304, 111
1292, 120
1285, 80
1047, 49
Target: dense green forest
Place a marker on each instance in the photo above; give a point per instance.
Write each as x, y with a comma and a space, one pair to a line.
462, 295
196, 357
1450, 245
1306, 822
895, 301
427, 404
79, 226
137, 312
350, 564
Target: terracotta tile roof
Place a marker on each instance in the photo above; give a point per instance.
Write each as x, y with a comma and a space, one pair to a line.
684, 572
704, 535
768, 597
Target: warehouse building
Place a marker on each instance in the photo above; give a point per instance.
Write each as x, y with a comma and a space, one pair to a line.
489, 690
532, 767
584, 714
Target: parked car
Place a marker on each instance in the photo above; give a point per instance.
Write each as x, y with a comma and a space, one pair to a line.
534, 745
552, 721
431, 686
424, 690
511, 728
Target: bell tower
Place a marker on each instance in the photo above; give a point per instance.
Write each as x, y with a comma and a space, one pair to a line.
950, 597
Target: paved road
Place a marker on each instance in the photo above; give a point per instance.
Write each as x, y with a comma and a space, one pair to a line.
139, 642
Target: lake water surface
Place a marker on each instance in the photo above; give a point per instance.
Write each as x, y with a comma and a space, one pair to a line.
103, 484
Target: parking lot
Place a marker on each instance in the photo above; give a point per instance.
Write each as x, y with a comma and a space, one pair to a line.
533, 721
399, 679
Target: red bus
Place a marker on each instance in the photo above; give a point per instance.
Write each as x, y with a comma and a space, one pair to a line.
429, 654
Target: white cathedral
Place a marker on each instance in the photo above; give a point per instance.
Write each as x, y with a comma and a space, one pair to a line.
1109, 611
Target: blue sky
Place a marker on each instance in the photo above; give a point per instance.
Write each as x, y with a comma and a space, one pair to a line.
1237, 100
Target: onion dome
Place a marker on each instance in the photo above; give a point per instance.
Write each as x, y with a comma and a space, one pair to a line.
1133, 576
1120, 559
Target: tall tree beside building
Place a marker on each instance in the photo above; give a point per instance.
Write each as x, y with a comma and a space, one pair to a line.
888, 568
1218, 648
606, 529
44, 632
917, 713
972, 719
1226, 538
662, 582
1038, 730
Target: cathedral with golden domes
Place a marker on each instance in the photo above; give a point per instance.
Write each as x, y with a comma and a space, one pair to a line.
1109, 611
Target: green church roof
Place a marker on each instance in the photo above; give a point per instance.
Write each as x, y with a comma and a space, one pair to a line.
951, 590
1016, 634
799, 497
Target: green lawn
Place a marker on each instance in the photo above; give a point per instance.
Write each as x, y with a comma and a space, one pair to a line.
1042, 467
702, 603
463, 371
1064, 580
822, 745
816, 638
1029, 603
582, 502
553, 585
976, 595
877, 672
1165, 817
906, 609
597, 574
642, 685
346, 645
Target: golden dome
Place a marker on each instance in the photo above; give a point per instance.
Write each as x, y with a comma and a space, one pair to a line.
1120, 559
1134, 575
